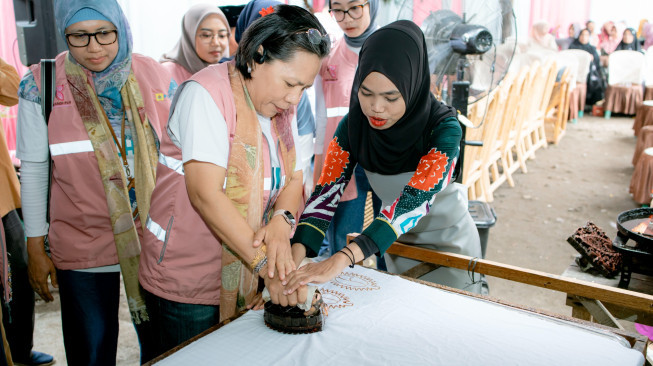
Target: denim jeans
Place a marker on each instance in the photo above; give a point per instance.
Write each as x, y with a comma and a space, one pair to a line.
349, 217
89, 316
174, 322
18, 314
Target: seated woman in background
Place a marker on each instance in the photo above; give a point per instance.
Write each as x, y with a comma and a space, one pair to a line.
228, 179
541, 38
408, 144
629, 41
573, 31
204, 41
595, 80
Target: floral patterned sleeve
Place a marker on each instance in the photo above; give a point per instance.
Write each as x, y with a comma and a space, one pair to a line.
433, 174
321, 206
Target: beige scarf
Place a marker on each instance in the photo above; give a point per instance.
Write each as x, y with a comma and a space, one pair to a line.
245, 176
111, 168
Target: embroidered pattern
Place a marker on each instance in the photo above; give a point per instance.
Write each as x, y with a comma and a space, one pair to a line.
430, 170
335, 163
334, 299
354, 281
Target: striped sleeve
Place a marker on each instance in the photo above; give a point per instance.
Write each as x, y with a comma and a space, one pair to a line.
321, 206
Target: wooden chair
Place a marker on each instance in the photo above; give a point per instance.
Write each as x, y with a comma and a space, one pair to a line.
533, 133
558, 109
510, 127
523, 144
478, 181
498, 174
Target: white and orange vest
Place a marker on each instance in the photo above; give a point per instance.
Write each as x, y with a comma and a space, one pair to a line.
180, 256
337, 72
81, 235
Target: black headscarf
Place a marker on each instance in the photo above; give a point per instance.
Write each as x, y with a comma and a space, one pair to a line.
397, 51
632, 46
577, 45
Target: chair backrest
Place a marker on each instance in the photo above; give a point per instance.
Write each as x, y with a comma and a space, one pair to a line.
625, 67
551, 70
584, 60
567, 61
648, 67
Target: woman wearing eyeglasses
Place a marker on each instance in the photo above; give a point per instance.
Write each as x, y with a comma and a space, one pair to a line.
228, 182
204, 41
109, 109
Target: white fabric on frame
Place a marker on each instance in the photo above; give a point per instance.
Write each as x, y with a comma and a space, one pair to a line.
379, 319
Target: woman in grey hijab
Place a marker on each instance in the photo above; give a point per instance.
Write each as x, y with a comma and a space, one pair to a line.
204, 41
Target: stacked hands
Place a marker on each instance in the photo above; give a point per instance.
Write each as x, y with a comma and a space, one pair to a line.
286, 283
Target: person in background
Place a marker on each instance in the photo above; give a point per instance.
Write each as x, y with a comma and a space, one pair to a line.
204, 41
103, 135
408, 143
610, 38
594, 38
572, 35
232, 12
252, 11
333, 88
648, 35
629, 41
18, 296
595, 79
541, 38
228, 184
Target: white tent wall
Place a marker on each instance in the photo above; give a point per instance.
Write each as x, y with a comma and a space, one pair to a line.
156, 25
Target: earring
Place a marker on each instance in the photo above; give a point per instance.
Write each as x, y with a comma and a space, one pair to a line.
249, 69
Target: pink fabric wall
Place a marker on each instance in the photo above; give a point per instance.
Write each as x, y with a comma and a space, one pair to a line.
559, 13
9, 53
422, 8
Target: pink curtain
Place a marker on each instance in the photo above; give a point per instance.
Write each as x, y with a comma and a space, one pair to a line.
559, 13
422, 8
9, 53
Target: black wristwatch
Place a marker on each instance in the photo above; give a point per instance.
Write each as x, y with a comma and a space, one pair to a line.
290, 219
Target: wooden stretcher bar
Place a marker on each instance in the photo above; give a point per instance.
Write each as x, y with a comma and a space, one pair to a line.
625, 298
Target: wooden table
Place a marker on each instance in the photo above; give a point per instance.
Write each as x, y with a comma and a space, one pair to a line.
607, 313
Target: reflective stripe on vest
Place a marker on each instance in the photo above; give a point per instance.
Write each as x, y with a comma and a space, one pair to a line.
172, 163
337, 111
71, 147
155, 229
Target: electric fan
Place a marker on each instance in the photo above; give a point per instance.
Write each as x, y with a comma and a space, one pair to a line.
470, 45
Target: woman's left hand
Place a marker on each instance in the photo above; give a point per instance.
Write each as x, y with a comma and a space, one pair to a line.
257, 303
276, 236
319, 272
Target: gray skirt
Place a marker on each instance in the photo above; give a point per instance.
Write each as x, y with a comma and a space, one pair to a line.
447, 227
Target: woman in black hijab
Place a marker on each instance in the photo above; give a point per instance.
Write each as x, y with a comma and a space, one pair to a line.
595, 80
629, 41
408, 144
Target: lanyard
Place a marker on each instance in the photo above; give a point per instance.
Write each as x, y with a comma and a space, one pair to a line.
122, 148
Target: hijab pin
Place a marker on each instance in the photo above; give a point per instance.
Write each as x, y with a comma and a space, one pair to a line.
266, 11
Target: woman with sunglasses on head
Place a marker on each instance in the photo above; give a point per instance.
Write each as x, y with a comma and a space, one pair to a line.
228, 183
109, 109
204, 41
408, 144
332, 89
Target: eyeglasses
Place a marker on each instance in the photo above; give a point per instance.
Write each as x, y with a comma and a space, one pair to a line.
104, 38
209, 36
315, 37
355, 12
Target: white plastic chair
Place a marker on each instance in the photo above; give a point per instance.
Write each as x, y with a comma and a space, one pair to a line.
625, 78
